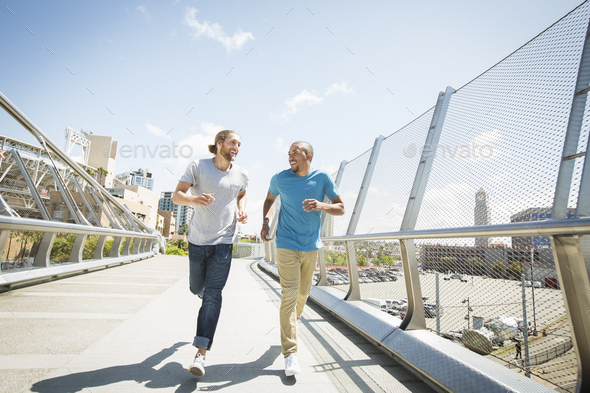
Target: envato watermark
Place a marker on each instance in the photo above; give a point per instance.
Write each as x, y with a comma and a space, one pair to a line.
140, 150
473, 151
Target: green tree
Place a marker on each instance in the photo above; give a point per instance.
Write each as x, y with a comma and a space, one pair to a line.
90, 171
476, 267
449, 263
376, 262
183, 229
179, 243
514, 270
361, 260
387, 260
103, 173
175, 251
498, 268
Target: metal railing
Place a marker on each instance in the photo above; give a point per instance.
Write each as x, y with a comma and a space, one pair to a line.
55, 218
471, 222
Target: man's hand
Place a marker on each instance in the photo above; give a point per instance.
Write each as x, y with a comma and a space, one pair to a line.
242, 217
264, 233
204, 200
310, 205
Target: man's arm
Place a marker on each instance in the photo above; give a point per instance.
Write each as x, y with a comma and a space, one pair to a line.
180, 196
335, 207
242, 216
266, 215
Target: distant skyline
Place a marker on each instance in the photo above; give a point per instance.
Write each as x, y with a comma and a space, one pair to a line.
162, 78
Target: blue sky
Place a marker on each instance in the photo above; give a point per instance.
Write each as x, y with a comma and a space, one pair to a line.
336, 74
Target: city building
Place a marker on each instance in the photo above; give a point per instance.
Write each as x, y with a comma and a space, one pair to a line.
481, 215
99, 153
169, 229
141, 177
143, 203
181, 213
534, 214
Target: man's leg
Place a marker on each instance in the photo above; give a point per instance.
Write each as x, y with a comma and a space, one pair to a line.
308, 262
289, 267
218, 266
197, 257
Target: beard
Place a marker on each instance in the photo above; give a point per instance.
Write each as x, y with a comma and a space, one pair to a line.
226, 154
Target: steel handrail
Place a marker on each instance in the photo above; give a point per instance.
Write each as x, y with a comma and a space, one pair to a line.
32, 224
579, 226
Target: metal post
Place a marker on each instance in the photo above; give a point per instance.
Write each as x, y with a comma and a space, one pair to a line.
573, 276
43, 256
410, 263
99, 247
438, 310
570, 145
525, 330
535, 333
354, 292
323, 279
115, 248
78, 249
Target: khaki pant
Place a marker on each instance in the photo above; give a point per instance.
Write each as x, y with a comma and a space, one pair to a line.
296, 273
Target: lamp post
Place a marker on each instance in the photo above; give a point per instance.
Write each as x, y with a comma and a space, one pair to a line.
468, 312
535, 333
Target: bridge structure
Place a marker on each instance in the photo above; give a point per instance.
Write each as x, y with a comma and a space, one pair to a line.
463, 256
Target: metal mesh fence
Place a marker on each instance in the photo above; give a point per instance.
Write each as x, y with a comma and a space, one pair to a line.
496, 162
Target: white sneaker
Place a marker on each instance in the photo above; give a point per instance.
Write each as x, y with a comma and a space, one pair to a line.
198, 366
292, 365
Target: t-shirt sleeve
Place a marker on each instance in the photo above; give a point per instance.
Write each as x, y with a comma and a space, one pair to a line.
190, 174
246, 180
330, 188
274, 185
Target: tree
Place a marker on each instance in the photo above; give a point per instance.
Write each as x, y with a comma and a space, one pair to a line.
103, 173
498, 268
183, 229
476, 267
179, 243
449, 263
387, 260
514, 270
376, 262
175, 251
361, 261
90, 171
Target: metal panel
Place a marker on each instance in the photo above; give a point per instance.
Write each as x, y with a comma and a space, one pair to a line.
21, 165
99, 247
115, 248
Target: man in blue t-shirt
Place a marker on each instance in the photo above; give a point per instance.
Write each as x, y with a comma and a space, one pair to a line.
302, 192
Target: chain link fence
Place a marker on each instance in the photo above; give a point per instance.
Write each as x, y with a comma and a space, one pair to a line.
496, 162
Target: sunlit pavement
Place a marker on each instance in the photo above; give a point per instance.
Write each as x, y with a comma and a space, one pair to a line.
130, 328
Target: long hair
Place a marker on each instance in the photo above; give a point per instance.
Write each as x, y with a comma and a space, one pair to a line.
220, 137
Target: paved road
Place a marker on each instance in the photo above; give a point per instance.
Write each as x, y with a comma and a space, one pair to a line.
129, 328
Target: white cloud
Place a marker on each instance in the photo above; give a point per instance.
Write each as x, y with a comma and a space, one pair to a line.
200, 142
303, 98
215, 31
339, 88
156, 131
280, 145
142, 9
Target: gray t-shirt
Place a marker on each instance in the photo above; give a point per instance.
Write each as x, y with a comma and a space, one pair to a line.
216, 223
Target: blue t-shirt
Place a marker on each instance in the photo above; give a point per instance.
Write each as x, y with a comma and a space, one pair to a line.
300, 230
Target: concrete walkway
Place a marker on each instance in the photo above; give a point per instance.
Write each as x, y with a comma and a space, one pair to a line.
130, 329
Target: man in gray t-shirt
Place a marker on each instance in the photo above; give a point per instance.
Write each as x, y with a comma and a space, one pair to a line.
218, 195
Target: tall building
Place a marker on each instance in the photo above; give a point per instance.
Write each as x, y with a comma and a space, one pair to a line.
182, 214
481, 215
140, 177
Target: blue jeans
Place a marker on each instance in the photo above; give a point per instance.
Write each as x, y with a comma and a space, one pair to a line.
208, 271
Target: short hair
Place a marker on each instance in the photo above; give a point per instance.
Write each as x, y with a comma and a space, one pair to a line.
306, 147
220, 137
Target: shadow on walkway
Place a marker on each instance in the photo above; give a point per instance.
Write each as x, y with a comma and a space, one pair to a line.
170, 375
